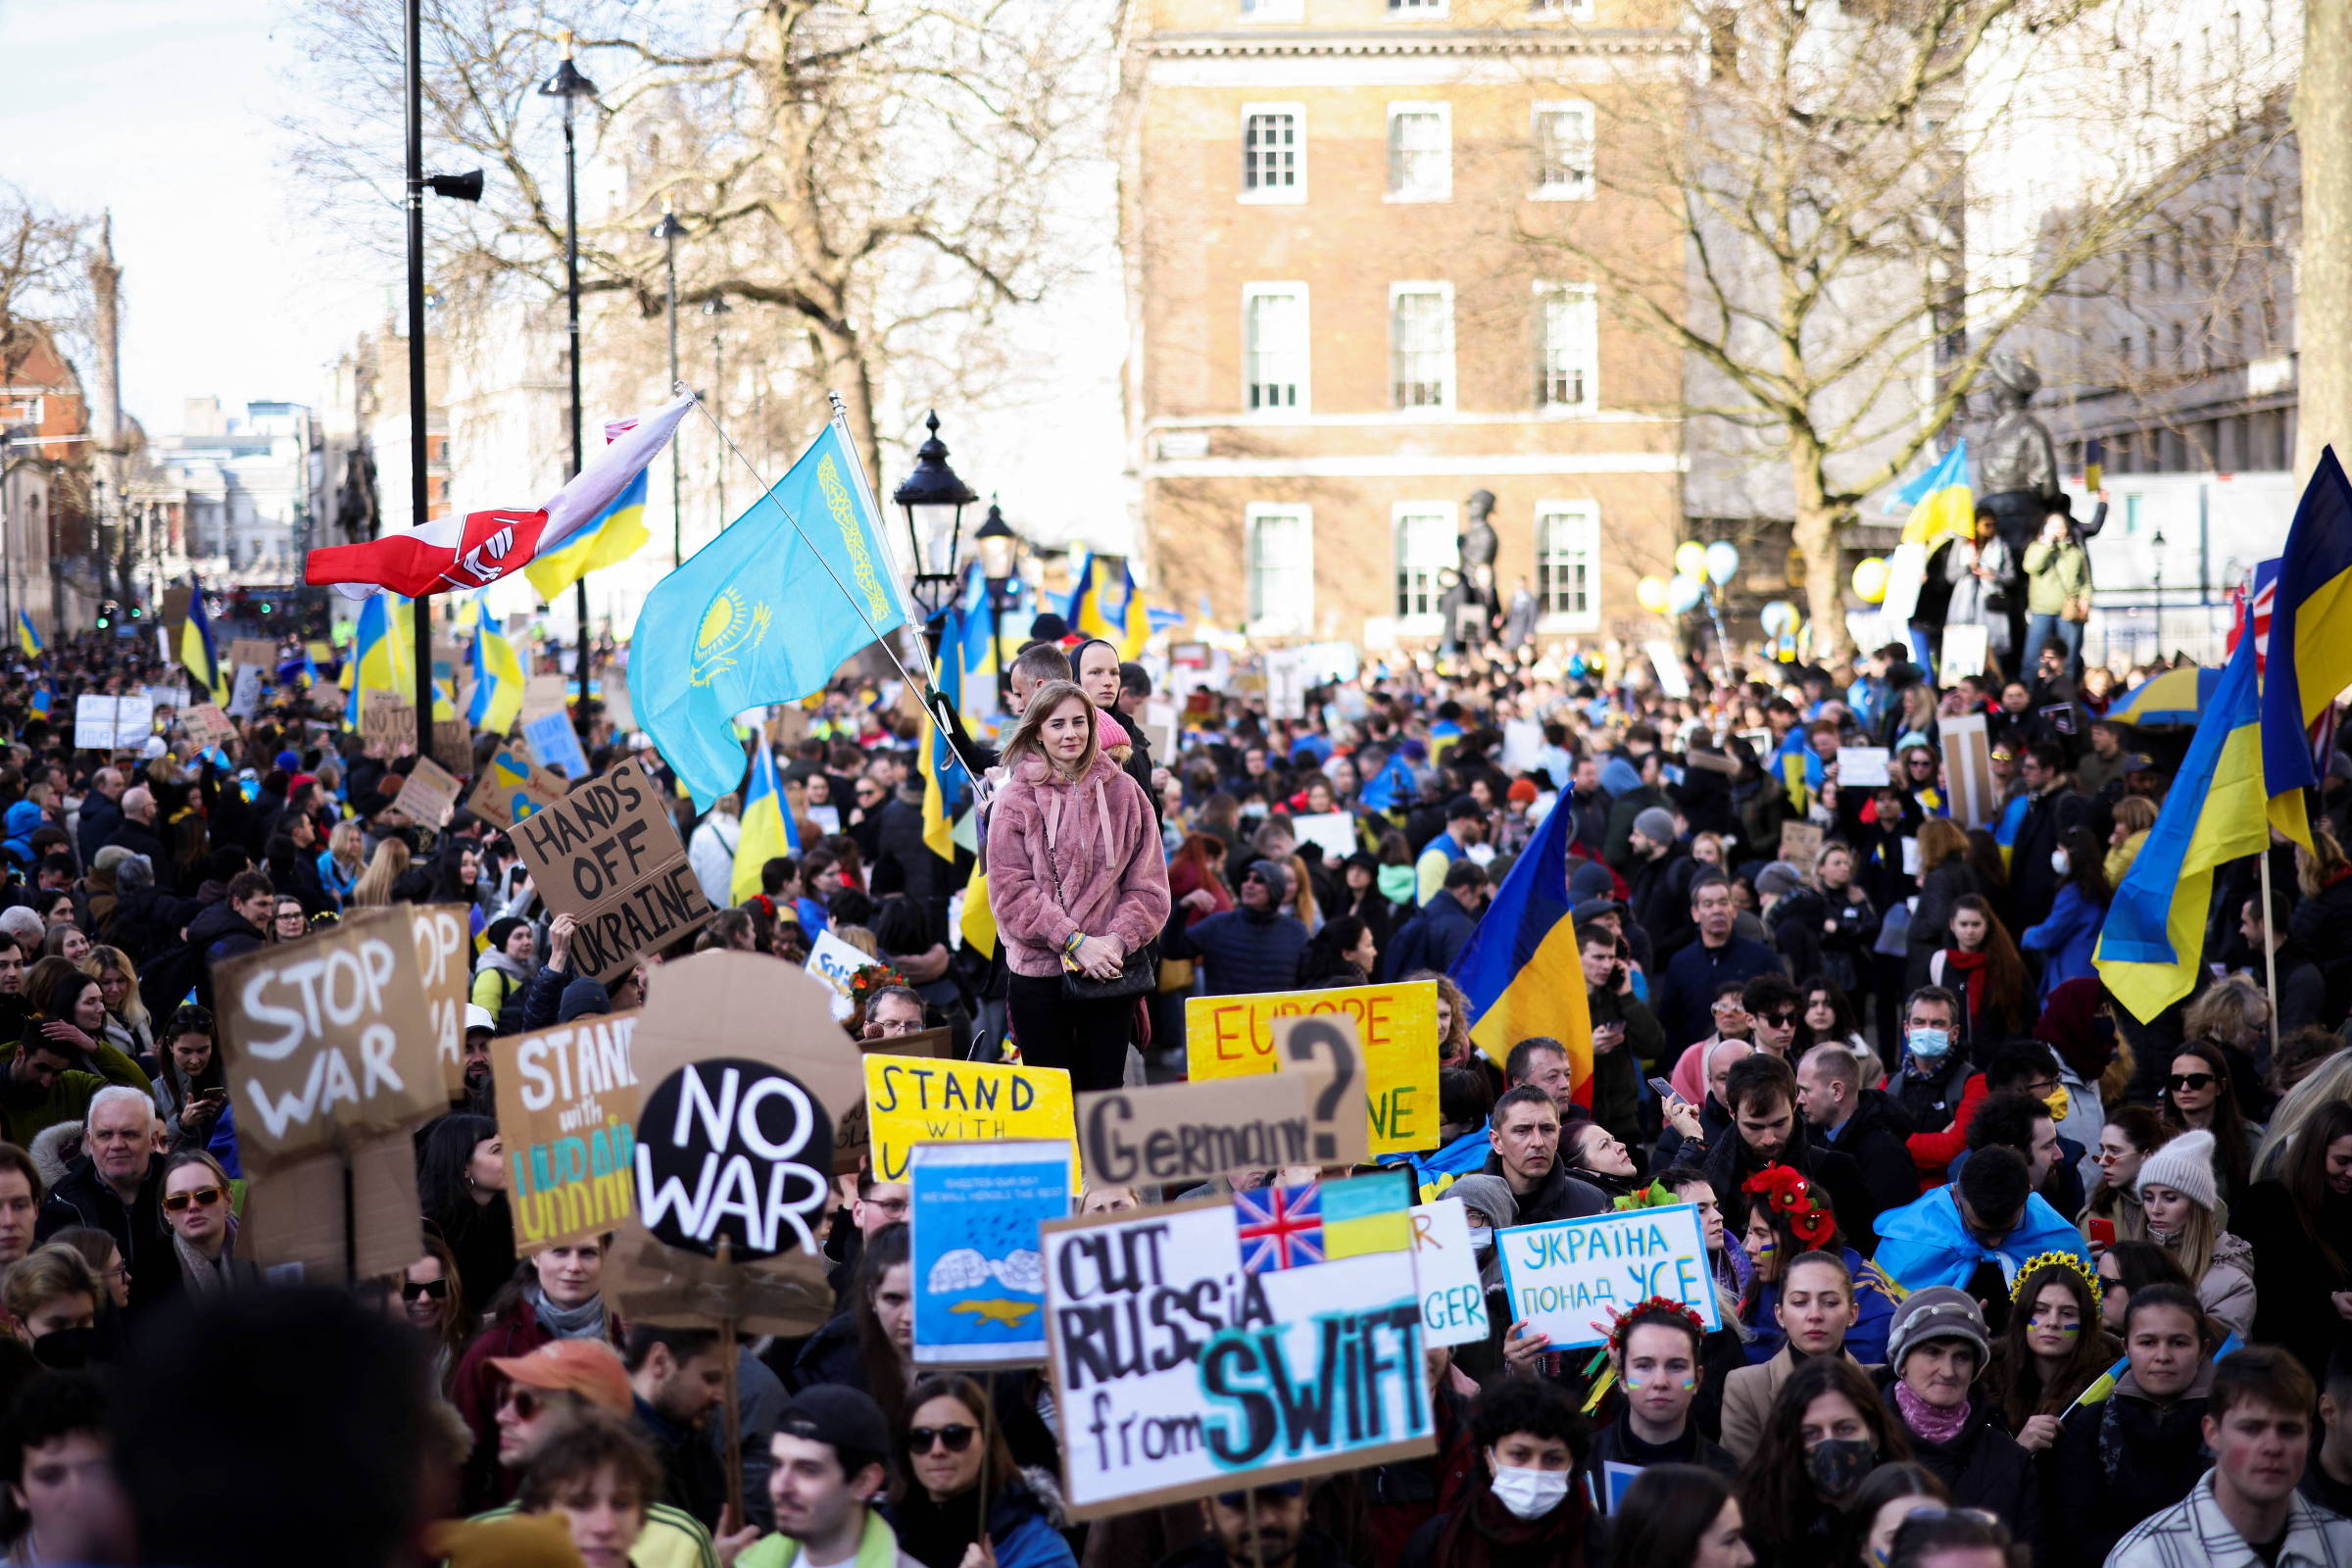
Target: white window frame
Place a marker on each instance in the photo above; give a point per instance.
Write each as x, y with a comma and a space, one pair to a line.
1270, 11
1250, 293
1279, 196
1574, 10
1573, 191
1295, 619
1588, 296
1420, 10
1444, 291
1432, 621
1443, 112
1586, 515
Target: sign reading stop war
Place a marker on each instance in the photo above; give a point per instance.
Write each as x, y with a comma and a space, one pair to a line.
568, 1111
1397, 1031
442, 949
328, 1037
736, 1151
607, 855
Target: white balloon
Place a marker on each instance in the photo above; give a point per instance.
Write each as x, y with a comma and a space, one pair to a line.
1682, 594
1723, 561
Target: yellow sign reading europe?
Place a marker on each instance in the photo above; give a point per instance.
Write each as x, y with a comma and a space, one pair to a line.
1397, 1028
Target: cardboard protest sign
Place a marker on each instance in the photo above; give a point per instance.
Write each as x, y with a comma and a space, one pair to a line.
174, 612
453, 745
387, 724
1179, 1369
1863, 767
908, 1102
1801, 845
1968, 768
1327, 1045
567, 1110
205, 726
429, 795
175, 698
1178, 1135
1454, 1303
326, 1038
1397, 1028
1335, 831
735, 1153
1965, 650
554, 743
513, 787
294, 1223
608, 855
1561, 1276
444, 944
834, 961
245, 692
543, 694
850, 1142
974, 1211
254, 653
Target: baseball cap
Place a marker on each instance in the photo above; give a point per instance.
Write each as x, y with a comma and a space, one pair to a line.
478, 1017
843, 1418
589, 1368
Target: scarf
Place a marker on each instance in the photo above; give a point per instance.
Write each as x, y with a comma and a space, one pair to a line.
585, 1321
1926, 1422
202, 1275
1483, 1533
936, 1534
1972, 965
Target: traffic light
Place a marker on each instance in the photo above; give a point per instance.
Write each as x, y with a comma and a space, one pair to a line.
135, 612
265, 606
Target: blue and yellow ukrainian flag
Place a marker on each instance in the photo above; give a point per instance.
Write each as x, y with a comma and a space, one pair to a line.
383, 657
1367, 1214
767, 829
974, 653
946, 782
498, 679
197, 650
26, 638
1109, 609
42, 701
1520, 970
1940, 501
2153, 939
613, 534
2311, 642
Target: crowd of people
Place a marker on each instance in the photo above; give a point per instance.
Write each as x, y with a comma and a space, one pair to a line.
2001, 1272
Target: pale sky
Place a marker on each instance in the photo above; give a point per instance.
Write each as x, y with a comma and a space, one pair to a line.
163, 111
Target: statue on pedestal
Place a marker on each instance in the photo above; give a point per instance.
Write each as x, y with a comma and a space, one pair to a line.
1478, 544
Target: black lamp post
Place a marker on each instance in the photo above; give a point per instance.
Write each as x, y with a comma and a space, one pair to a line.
999, 552
668, 232
717, 308
933, 499
569, 85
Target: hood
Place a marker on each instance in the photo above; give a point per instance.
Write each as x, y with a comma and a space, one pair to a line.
22, 819
496, 959
1620, 776
2234, 1249
54, 1152
2071, 1025
2126, 1387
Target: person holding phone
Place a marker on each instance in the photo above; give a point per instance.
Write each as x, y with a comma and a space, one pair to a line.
1627, 1038
189, 1084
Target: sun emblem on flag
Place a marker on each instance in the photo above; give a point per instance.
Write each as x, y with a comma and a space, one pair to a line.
729, 627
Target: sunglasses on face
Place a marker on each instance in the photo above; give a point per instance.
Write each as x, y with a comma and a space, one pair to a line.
524, 1402
410, 1289
957, 1436
1779, 1020
202, 1198
2190, 1081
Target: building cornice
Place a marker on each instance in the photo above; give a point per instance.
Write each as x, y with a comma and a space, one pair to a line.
1464, 43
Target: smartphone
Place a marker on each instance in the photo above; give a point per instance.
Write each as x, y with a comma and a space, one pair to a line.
2102, 1234
1663, 1089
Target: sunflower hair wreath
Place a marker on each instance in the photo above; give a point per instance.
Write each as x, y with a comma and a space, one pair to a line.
1792, 1197
2041, 1260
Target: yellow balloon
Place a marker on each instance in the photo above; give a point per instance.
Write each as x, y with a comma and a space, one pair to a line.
1650, 594
1691, 558
1870, 579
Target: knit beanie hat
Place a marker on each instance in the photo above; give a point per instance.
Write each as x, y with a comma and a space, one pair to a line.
1523, 789
1938, 1312
2186, 1165
1490, 1195
1276, 874
1779, 879
1656, 823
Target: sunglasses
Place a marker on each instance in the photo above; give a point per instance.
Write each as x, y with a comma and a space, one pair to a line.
202, 1198
410, 1289
2191, 1081
526, 1404
1779, 1020
957, 1436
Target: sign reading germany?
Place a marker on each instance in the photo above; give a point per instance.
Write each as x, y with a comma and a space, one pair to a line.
607, 855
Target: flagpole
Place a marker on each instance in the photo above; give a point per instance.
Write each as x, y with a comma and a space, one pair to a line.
2269, 949
423, 619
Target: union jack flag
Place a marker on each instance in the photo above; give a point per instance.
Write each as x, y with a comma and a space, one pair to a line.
1281, 1227
2266, 594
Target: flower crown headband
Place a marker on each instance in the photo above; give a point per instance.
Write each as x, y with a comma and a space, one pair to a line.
1621, 1320
2040, 1260
1792, 1196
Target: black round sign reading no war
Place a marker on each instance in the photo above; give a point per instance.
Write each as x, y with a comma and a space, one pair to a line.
733, 1148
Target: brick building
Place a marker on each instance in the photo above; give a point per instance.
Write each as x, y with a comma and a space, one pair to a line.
1340, 330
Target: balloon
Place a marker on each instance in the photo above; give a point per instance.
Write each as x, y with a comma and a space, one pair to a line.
1779, 618
1684, 593
1650, 594
1723, 562
1691, 558
1870, 579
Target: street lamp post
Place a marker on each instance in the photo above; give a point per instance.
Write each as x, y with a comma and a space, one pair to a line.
668, 232
569, 85
717, 308
933, 499
1000, 550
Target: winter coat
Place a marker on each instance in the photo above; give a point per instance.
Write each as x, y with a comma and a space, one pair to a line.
1023, 1521
141, 839
1617, 1074
26, 1110
2292, 1277
1797, 923
221, 932
2056, 575
2117, 1462
2319, 923
140, 1234
95, 823
1246, 950
1931, 928
1873, 1137
498, 981
1686, 991
1836, 1180
1099, 834
2066, 939
1431, 940
2227, 1291
1748, 1394
473, 1389
1982, 1466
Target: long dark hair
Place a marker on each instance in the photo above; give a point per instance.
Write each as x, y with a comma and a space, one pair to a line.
1845, 1022
2148, 1133
1777, 1500
1665, 1515
2017, 1375
1746, 1206
1325, 957
2305, 1175
997, 1465
885, 1373
2004, 969
2232, 1157
1905, 1477
442, 1191
2087, 866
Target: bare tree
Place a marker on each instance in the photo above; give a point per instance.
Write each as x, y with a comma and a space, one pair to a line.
882, 176
44, 277
2324, 128
1863, 223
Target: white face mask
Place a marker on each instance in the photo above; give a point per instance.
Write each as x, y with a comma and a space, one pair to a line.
2059, 861
1529, 1493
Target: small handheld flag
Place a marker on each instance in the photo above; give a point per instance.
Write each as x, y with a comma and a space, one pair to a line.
26, 638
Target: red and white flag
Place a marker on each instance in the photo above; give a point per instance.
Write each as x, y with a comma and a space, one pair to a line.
462, 552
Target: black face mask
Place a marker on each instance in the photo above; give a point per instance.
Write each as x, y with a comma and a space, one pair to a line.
1836, 1465
65, 1349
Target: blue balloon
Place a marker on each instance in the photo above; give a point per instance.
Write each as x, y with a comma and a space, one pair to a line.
1682, 594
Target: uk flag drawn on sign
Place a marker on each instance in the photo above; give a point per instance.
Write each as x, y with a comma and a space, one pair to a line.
1281, 1227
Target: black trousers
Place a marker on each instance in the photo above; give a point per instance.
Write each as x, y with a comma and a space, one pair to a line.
1088, 1038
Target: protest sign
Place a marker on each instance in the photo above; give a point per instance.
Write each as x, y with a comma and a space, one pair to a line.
326, 1038
568, 1111
1561, 1276
909, 1101
387, 724
1397, 1028
1965, 648
1674, 681
428, 796
1160, 727
1454, 1303
851, 1143
453, 745
1178, 1135
543, 694
608, 855
1178, 1369
1968, 768
973, 1216
1522, 746
109, 723
254, 653
1327, 1045
1335, 831
444, 944
833, 961
513, 787
1863, 767
297, 1227
1801, 845
245, 692
733, 1152
174, 613
175, 698
556, 743
205, 726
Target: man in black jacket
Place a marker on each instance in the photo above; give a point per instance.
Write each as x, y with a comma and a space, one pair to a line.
118, 1186
1526, 1137
136, 832
1860, 1122
1254, 947
1435, 937
235, 925
1766, 1129
678, 1377
100, 815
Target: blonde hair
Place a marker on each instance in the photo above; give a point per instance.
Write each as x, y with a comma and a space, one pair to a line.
42, 1276
373, 890
1303, 889
2136, 814
1029, 736
2224, 1010
2322, 862
344, 842
2192, 1248
100, 962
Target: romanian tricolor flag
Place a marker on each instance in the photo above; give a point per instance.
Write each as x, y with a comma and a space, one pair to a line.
26, 638
1940, 501
1108, 607
2153, 937
199, 653
2309, 643
767, 830
1520, 969
613, 534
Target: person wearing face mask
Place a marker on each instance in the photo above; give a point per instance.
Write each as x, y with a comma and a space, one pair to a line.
1930, 1076
2188, 1219
2139, 1450
2299, 1225
1826, 1431
1520, 1508
1934, 1357
2070, 934
52, 1299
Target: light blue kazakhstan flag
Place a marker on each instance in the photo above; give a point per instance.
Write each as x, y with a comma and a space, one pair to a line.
766, 612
